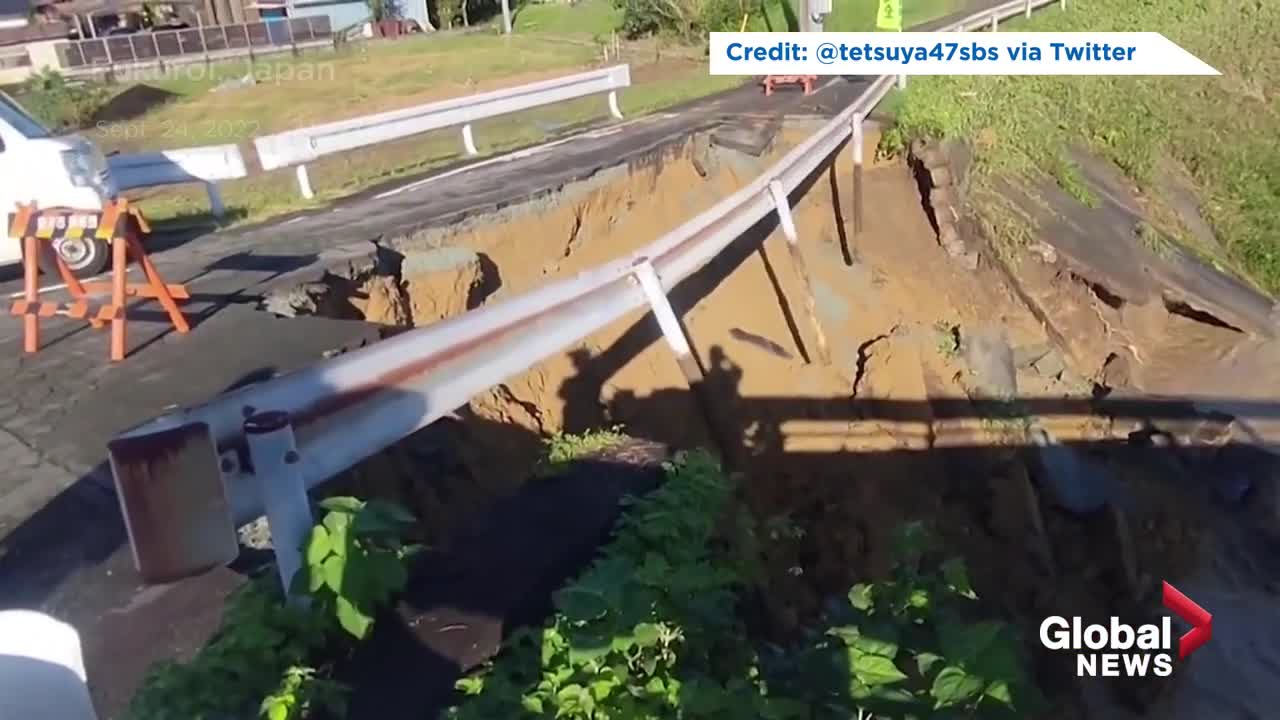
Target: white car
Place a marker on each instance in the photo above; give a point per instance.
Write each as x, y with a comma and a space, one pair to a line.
68, 172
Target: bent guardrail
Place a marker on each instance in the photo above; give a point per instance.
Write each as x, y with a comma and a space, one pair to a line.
188, 479
208, 165
298, 147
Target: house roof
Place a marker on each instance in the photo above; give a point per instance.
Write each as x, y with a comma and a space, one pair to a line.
34, 33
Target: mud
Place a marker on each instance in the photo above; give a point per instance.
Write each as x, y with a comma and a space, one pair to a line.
902, 424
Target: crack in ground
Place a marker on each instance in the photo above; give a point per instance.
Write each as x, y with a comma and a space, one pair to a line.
864, 355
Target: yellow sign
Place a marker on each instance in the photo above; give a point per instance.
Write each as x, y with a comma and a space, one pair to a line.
890, 16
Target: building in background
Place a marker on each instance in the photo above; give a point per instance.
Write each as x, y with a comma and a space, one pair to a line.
14, 14
346, 13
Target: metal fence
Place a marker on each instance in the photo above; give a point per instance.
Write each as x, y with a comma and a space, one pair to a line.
221, 40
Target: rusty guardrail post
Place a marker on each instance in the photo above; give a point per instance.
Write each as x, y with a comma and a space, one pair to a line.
788, 224
274, 454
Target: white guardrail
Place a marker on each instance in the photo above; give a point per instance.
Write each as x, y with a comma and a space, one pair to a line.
208, 165
187, 480
298, 147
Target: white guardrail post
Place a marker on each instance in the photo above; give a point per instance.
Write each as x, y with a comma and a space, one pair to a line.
614, 110
857, 141
668, 323
469, 141
304, 182
182, 479
303, 145
274, 455
216, 206
788, 224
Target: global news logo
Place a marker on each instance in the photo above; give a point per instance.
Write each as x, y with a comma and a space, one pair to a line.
1118, 649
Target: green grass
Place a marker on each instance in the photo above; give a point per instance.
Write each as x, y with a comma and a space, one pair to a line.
563, 448
1221, 130
550, 39
860, 15
593, 18
852, 15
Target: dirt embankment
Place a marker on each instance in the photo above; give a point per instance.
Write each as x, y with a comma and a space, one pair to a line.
941, 372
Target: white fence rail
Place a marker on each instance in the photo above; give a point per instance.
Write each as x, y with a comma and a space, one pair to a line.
297, 147
209, 165
186, 480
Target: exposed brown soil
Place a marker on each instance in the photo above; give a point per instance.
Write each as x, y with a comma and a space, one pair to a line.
847, 451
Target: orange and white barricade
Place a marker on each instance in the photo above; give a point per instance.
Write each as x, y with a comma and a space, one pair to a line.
121, 225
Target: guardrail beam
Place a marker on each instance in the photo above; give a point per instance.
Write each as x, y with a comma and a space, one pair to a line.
303, 145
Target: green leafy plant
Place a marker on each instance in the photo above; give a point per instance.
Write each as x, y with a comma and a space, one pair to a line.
275, 658
948, 338
302, 691
60, 103
911, 646
355, 560
686, 20
655, 628
566, 447
260, 640
650, 630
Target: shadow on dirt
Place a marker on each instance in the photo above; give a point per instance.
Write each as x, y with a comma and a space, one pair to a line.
497, 572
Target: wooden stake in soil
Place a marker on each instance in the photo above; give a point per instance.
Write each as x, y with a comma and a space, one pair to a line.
793, 246
651, 284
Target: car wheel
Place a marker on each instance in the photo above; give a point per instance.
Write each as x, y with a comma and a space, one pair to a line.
86, 257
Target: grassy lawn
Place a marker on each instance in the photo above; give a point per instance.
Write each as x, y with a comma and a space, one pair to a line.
593, 18
856, 15
262, 196
551, 40
1221, 130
